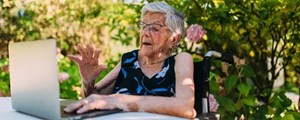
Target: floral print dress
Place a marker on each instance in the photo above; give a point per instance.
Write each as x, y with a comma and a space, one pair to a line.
131, 80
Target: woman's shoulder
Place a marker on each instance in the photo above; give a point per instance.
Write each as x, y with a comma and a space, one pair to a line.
183, 55
183, 58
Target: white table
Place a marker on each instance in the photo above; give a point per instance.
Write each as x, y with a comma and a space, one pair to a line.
8, 113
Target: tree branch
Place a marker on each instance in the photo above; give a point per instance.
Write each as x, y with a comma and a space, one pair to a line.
197, 5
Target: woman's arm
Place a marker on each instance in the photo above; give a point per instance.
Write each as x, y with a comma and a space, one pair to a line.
181, 105
105, 86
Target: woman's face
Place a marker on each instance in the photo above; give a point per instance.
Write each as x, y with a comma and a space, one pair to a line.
155, 37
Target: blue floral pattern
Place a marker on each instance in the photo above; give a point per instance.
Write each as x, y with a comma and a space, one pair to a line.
131, 79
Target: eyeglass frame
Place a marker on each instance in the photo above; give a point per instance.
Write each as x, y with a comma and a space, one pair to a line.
144, 25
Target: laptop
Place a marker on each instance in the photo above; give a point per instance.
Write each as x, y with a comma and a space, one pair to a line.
34, 81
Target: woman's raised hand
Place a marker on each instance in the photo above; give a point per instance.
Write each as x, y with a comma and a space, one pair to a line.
88, 64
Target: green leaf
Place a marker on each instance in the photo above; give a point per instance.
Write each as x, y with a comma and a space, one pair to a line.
285, 101
250, 82
230, 81
277, 118
250, 101
288, 117
297, 14
278, 112
296, 115
214, 86
218, 63
275, 101
221, 111
247, 71
295, 39
244, 89
227, 103
262, 110
239, 105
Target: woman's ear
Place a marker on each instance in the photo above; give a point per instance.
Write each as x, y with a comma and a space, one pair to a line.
175, 39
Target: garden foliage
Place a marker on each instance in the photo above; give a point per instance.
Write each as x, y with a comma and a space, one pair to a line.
263, 35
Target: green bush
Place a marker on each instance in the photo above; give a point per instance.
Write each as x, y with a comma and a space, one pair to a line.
4, 78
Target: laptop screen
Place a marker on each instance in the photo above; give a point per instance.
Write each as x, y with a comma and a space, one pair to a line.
33, 78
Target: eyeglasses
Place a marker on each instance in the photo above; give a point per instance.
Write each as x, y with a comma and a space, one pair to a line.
153, 27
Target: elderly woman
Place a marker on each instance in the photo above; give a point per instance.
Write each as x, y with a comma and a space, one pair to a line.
150, 79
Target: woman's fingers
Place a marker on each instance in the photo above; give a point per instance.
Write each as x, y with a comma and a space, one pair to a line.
76, 59
88, 61
82, 52
74, 106
86, 107
99, 104
88, 103
102, 67
97, 53
91, 103
90, 51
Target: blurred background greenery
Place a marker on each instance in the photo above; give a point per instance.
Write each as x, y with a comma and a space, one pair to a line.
263, 35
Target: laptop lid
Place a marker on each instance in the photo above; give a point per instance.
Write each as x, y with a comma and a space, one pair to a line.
33, 78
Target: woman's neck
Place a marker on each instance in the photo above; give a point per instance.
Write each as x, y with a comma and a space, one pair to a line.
152, 60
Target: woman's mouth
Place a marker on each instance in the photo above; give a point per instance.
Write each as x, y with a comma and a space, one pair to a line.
146, 43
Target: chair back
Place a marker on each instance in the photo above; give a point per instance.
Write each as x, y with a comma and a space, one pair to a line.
201, 75
201, 80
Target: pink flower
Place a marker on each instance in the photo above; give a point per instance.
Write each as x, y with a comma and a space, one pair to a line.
195, 32
213, 104
63, 77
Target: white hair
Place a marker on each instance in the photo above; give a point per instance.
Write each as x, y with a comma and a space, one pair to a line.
174, 20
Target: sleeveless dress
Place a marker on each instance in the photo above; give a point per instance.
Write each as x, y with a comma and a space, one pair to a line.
131, 80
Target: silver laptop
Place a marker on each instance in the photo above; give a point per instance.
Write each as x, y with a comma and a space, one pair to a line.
34, 81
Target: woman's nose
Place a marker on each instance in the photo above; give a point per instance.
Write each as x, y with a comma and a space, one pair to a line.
146, 31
